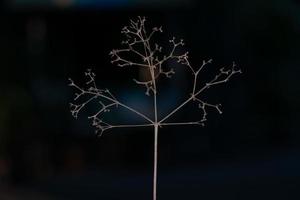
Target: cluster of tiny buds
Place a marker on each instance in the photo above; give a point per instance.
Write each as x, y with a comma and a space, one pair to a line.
173, 41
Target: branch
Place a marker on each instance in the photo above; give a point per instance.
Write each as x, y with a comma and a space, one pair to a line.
94, 93
181, 123
226, 74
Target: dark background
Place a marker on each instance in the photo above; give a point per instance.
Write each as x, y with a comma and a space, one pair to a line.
249, 152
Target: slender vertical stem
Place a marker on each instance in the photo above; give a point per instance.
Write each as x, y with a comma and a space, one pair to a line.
155, 161
149, 56
155, 136
152, 72
155, 133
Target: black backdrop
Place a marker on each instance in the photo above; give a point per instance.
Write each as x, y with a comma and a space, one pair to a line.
250, 151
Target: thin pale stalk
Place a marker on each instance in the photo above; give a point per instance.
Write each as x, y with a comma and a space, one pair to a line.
155, 162
152, 72
180, 123
175, 110
123, 105
195, 82
131, 125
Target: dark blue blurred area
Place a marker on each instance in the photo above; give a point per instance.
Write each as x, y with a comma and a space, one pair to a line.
94, 4
251, 151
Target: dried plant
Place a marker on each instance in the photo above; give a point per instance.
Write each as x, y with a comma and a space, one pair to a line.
147, 56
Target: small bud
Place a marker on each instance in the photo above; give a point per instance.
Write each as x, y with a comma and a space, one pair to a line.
160, 29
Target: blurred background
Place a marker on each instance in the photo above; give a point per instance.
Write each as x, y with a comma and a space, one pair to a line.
251, 151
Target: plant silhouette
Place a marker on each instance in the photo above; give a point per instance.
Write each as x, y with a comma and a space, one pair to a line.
140, 51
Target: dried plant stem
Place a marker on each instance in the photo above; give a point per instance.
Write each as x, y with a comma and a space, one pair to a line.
155, 134
175, 110
155, 123
149, 58
147, 55
131, 126
121, 104
155, 161
181, 123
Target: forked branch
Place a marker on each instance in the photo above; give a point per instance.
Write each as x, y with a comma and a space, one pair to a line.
92, 93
